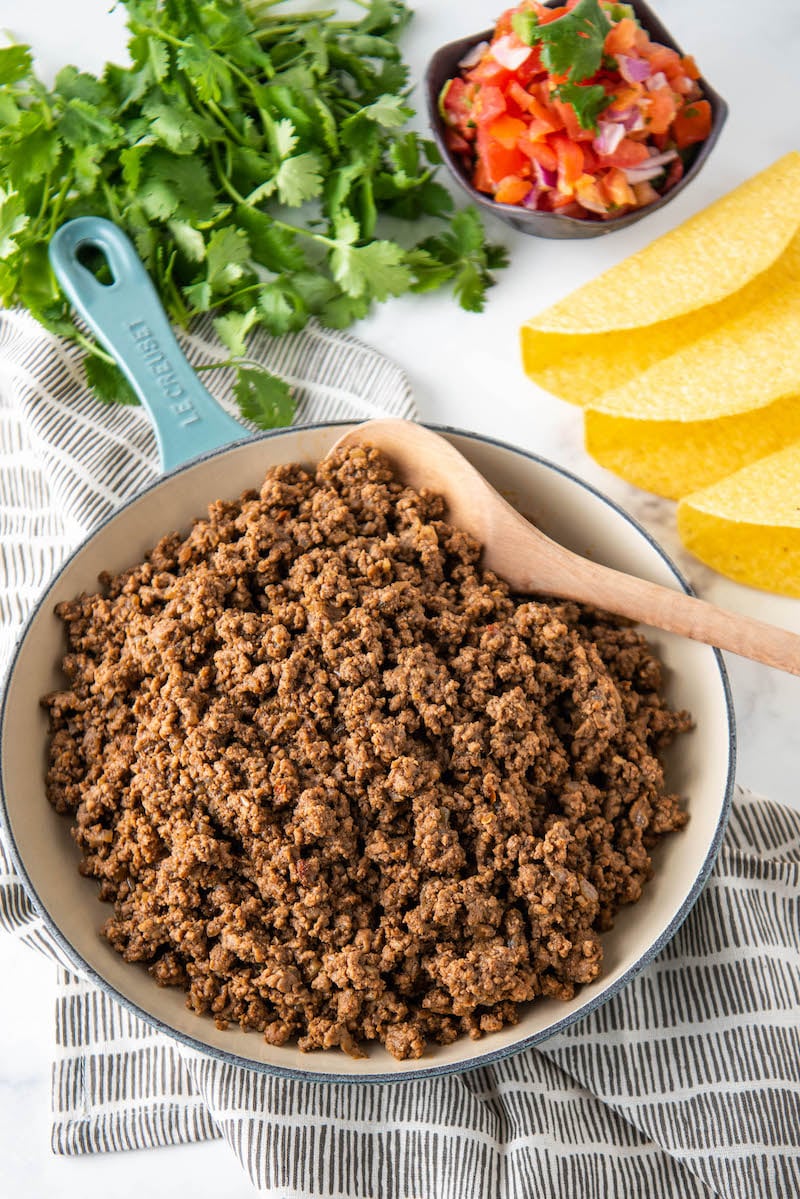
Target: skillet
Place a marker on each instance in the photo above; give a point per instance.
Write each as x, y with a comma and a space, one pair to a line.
207, 454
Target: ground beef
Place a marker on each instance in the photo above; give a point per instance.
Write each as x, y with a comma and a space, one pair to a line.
338, 784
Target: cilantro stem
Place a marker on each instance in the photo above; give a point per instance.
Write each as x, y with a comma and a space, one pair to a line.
162, 35
55, 215
45, 198
112, 205
92, 347
223, 178
217, 112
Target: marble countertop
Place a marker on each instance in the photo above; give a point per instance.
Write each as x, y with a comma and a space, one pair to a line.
465, 372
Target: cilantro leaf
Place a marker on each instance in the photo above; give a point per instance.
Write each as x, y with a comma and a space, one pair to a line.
15, 64
176, 128
523, 23
273, 247
573, 44
188, 239
205, 70
233, 328
282, 308
285, 137
378, 268
83, 124
462, 256
13, 219
299, 179
107, 381
388, 111
227, 255
263, 398
587, 99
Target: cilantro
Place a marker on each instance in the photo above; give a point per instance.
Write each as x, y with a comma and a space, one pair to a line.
618, 12
573, 44
524, 24
460, 256
231, 118
233, 328
379, 268
587, 99
107, 381
13, 220
263, 398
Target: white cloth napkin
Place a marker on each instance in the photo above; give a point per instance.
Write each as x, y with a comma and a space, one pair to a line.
686, 1084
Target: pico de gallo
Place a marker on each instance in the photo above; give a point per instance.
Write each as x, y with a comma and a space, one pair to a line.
573, 109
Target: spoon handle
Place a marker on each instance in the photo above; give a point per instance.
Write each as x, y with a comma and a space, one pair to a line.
662, 608
126, 316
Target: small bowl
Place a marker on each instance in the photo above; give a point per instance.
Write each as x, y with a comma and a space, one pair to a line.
444, 65
564, 507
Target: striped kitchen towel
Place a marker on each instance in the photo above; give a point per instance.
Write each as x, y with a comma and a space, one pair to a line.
685, 1085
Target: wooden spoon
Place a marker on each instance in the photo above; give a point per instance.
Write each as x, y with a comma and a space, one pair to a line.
530, 562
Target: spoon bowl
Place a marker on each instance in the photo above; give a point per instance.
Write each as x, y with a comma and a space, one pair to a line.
531, 562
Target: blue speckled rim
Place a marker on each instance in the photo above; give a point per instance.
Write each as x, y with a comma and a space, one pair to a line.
474, 1063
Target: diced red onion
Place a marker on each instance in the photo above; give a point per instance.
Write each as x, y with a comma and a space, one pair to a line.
609, 135
642, 174
531, 200
631, 118
660, 160
473, 56
655, 82
510, 52
651, 168
545, 177
633, 70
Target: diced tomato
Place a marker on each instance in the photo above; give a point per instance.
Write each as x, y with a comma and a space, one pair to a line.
692, 124
512, 189
616, 189
627, 154
591, 161
504, 25
661, 58
456, 143
689, 67
627, 95
500, 160
507, 131
535, 132
456, 101
480, 178
558, 201
545, 114
569, 157
621, 37
530, 68
589, 194
683, 84
571, 123
541, 152
660, 109
489, 73
521, 98
489, 104
645, 193
674, 173
545, 15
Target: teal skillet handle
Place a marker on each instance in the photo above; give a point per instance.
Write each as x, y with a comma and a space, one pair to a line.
127, 318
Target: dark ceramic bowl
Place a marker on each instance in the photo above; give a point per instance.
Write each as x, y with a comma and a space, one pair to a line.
444, 65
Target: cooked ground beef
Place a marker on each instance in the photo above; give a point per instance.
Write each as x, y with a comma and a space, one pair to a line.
338, 784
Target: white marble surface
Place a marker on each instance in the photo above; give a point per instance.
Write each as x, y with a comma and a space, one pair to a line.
465, 371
